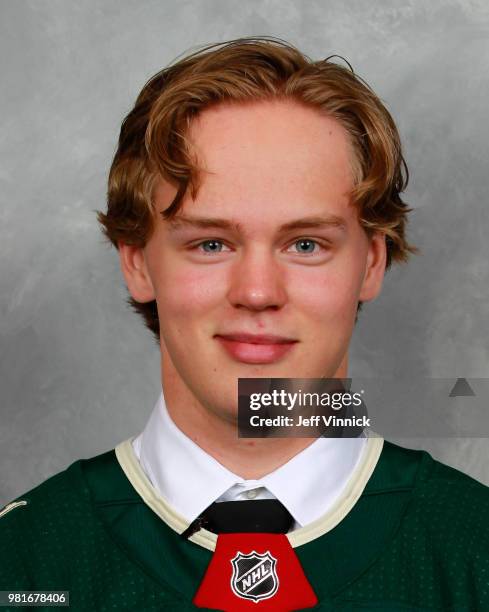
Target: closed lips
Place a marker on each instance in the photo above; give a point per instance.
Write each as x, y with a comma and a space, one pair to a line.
257, 339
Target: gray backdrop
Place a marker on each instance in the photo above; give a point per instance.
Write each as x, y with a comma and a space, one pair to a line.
78, 371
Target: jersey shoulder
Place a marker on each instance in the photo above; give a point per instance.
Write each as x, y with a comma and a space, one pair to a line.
42, 524
450, 507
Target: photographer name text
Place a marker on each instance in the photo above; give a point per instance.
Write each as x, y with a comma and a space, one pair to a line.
313, 421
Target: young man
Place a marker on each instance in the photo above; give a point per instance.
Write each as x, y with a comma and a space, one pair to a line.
254, 200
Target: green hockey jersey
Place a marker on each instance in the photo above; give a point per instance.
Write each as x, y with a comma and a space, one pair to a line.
409, 534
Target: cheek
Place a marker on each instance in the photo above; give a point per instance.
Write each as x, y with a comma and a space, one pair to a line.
184, 293
328, 293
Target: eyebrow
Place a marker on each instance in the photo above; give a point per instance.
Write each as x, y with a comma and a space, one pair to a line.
214, 222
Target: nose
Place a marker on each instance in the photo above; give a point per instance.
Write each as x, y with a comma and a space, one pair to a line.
257, 281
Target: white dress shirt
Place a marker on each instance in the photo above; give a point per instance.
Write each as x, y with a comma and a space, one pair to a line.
190, 479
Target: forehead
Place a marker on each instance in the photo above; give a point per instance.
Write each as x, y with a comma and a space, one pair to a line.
274, 157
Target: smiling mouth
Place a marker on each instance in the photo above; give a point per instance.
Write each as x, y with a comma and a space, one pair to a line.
256, 349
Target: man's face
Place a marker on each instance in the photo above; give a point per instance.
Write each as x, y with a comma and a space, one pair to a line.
269, 252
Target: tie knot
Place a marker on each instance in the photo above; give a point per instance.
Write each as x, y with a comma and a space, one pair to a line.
249, 516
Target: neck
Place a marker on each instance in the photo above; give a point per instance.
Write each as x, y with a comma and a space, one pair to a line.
248, 458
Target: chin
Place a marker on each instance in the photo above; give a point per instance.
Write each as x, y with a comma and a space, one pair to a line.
226, 412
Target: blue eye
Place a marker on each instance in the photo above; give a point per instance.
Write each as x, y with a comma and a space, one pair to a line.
215, 246
305, 245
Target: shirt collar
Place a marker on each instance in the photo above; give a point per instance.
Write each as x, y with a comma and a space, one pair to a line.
190, 479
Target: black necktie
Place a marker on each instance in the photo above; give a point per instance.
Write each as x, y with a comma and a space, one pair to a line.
248, 516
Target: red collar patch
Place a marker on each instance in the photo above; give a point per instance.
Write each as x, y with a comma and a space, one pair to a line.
254, 571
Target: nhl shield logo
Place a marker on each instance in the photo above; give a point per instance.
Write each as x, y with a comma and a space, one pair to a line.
254, 576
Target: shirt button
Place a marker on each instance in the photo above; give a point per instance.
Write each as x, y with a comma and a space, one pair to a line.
251, 494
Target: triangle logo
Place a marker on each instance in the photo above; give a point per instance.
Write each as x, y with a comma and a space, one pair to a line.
461, 389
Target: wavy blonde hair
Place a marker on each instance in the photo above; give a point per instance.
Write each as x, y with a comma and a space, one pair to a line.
152, 143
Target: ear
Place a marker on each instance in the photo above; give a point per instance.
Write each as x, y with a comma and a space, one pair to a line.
375, 267
135, 271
